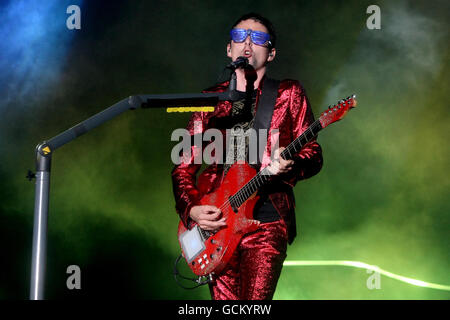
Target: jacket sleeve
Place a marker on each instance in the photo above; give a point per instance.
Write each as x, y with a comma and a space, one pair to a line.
308, 161
184, 174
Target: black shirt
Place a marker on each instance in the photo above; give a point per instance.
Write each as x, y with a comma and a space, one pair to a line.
242, 118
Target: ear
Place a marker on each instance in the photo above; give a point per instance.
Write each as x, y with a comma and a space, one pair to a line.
229, 50
272, 54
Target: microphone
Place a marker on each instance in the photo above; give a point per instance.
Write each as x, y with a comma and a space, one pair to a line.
240, 62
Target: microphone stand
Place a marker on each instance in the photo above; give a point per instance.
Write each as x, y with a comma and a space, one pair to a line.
45, 149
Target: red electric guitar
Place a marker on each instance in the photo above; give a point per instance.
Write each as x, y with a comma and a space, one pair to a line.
208, 252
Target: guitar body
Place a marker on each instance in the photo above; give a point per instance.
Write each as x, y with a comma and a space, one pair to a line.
219, 247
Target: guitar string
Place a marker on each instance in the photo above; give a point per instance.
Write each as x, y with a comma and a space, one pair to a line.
293, 146
242, 194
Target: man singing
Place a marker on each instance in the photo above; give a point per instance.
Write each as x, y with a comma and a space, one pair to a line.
254, 269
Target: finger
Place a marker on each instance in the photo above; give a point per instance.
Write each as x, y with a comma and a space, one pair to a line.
206, 227
285, 170
276, 154
286, 162
287, 167
212, 209
280, 150
274, 168
211, 225
211, 216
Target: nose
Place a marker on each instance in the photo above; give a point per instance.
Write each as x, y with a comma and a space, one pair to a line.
248, 41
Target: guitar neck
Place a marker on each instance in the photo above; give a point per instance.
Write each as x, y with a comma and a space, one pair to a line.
262, 178
297, 145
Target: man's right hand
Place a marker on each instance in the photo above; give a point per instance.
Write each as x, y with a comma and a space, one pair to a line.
207, 217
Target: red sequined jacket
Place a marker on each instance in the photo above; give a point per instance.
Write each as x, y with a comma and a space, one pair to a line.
291, 116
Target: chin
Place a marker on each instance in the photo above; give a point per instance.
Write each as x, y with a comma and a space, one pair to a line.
253, 63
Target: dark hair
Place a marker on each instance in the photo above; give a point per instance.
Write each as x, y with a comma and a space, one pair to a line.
264, 21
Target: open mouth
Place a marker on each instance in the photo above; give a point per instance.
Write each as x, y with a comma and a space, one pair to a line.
247, 53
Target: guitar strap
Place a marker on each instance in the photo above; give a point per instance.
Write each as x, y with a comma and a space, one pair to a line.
264, 111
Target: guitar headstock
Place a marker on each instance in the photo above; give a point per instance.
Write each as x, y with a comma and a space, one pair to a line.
337, 111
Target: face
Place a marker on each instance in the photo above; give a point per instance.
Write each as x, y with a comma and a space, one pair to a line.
257, 55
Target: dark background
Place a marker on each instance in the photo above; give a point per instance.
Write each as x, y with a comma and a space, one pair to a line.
381, 197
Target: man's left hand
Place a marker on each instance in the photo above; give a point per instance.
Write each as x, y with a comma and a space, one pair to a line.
280, 165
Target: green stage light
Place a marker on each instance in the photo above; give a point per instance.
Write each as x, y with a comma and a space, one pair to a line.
362, 265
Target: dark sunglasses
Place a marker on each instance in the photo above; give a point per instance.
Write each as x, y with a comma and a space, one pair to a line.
258, 37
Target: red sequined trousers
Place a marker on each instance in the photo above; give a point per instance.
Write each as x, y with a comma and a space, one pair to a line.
254, 269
